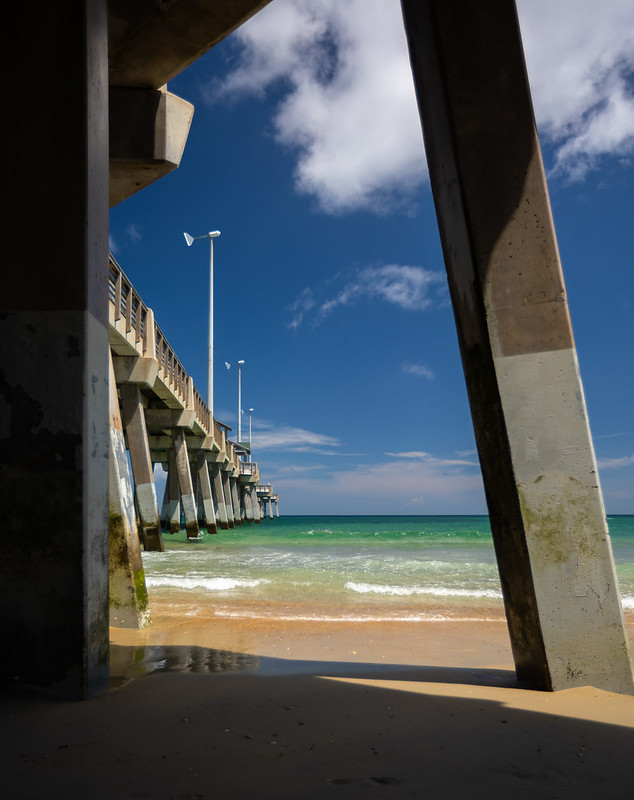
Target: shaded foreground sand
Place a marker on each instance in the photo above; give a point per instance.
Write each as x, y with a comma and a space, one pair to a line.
246, 709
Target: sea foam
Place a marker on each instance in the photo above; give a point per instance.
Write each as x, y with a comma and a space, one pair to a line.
407, 591
200, 582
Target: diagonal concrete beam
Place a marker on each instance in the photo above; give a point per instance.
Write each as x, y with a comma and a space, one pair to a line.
185, 481
540, 475
142, 469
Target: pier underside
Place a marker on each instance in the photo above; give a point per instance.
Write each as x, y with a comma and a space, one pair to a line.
544, 499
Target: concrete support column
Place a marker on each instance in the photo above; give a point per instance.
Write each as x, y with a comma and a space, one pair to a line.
248, 504
54, 355
128, 594
226, 488
257, 508
142, 469
235, 500
219, 496
519, 358
171, 509
185, 482
209, 514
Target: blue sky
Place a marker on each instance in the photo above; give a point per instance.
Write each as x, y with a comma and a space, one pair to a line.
306, 152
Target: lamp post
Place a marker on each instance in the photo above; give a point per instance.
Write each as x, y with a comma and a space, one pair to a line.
250, 412
228, 366
210, 352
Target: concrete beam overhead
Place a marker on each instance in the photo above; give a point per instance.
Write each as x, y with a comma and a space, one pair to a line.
150, 42
148, 132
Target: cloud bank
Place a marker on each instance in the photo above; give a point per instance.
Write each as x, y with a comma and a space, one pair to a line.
345, 99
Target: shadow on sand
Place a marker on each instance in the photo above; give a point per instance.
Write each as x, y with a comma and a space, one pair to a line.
203, 724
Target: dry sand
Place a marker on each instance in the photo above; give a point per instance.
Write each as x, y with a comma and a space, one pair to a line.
239, 709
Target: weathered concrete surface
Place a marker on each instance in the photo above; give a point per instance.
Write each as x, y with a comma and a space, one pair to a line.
226, 489
148, 132
142, 468
219, 496
128, 593
207, 503
171, 510
151, 43
188, 501
54, 353
235, 500
507, 289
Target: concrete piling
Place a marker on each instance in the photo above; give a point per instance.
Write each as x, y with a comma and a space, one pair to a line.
209, 514
185, 482
142, 468
219, 496
128, 598
518, 353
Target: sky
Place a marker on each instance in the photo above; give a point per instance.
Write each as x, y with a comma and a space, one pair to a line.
306, 152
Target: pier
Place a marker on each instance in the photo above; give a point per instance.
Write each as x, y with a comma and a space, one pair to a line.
158, 416
86, 372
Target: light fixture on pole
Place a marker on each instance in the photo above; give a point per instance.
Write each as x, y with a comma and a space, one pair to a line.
210, 352
251, 410
228, 366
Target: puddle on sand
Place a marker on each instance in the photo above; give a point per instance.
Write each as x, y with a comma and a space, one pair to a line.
127, 662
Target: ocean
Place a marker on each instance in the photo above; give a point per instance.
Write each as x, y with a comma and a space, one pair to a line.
399, 568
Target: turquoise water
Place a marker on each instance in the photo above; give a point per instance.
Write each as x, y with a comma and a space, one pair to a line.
350, 567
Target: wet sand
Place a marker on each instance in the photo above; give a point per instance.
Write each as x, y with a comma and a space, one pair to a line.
244, 708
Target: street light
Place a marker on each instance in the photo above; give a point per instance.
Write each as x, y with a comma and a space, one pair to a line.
228, 366
210, 353
251, 410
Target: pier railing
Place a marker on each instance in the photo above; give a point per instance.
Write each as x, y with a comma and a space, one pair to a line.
134, 332
150, 341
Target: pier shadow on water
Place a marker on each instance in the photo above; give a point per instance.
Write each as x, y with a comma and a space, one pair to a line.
130, 662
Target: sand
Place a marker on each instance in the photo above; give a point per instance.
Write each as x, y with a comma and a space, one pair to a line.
246, 709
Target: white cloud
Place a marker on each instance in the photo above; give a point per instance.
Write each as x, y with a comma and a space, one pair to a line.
420, 455
348, 107
410, 288
394, 488
134, 232
615, 463
347, 100
580, 58
286, 437
421, 370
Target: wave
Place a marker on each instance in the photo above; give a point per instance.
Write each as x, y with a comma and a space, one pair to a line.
420, 616
436, 591
209, 584
627, 601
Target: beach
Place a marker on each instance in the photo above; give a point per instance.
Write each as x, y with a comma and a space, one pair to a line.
269, 709
237, 692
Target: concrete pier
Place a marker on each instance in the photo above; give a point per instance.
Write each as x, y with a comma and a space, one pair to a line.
54, 437
235, 500
142, 467
128, 598
208, 511
226, 489
185, 482
171, 510
219, 496
509, 299
60, 313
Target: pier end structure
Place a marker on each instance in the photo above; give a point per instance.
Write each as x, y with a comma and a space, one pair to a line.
545, 503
